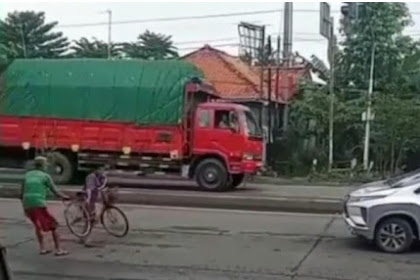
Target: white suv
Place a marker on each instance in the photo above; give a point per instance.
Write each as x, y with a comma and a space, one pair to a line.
387, 212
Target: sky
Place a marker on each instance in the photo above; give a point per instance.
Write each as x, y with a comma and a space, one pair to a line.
190, 34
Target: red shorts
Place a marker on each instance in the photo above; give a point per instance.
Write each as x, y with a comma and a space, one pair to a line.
42, 219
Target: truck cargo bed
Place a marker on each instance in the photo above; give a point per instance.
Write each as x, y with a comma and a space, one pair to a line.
89, 135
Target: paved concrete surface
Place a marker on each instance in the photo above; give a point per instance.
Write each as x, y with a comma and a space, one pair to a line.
261, 198
188, 243
250, 196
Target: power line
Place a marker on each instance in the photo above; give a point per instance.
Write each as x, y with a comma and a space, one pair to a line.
174, 18
215, 46
208, 16
234, 44
204, 41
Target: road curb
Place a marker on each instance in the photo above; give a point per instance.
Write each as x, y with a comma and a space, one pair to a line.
210, 200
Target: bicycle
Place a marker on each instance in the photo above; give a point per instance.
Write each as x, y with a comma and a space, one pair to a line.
109, 213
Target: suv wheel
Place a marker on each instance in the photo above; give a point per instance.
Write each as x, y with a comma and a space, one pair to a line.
394, 235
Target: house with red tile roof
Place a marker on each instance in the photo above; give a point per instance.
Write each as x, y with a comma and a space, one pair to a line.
237, 81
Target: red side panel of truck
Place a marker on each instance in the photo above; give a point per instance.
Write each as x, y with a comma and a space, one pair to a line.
89, 135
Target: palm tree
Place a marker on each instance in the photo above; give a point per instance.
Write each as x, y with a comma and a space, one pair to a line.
31, 36
93, 49
151, 46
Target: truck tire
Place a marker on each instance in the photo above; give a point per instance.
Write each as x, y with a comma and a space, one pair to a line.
212, 175
61, 168
236, 180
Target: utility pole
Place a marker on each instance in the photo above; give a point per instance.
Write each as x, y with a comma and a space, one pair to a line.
287, 52
327, 30
351, 11
331, 115
368, 116
22, 37
278, 50
109, 12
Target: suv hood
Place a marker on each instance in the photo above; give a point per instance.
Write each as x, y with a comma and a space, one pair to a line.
373, 189
384, 191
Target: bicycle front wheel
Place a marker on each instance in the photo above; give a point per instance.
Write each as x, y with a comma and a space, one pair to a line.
78, 219
114, 221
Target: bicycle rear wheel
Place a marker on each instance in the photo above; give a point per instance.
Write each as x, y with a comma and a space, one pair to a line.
78, 219
114, 221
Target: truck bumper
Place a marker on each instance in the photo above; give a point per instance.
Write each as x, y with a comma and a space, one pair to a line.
246, 167
252, 167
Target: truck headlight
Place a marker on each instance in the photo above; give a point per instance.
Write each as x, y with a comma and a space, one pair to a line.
248, 156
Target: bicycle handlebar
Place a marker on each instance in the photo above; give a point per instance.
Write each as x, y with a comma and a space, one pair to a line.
104, 185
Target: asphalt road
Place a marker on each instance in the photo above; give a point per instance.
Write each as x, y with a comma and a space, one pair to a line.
176, 243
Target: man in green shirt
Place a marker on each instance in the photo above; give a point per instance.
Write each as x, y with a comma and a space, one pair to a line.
35, 188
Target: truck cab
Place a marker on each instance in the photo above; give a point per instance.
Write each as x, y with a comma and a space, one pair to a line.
227, 145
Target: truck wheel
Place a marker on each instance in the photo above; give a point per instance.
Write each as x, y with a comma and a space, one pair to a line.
212, 175
237, 180
61, 168
394, 235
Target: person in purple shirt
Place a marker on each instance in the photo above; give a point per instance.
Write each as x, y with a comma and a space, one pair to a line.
94, 183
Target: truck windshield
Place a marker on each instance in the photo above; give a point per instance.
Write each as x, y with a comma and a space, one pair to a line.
252, 126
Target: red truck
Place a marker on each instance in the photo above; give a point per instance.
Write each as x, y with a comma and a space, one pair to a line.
137, 116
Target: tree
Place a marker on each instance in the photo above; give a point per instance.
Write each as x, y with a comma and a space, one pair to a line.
395, 132
26, 34
379, 26
83, 48
309, 116
152, 46
396, 98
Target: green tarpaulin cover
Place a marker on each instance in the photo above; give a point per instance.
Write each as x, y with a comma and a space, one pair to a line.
136, 91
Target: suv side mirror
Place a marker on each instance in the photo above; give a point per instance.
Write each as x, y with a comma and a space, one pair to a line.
417, 191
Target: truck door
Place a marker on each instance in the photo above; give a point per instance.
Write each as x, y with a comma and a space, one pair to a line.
203, 129
226, 136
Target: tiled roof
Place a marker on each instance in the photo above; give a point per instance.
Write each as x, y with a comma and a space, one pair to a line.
234, 79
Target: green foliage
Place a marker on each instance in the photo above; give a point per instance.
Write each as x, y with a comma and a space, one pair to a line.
26, 34
379, 26
395, 131
396, 101
150, 45
93, 49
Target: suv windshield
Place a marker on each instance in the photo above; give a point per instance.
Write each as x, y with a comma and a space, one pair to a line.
404, 180
253, 128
